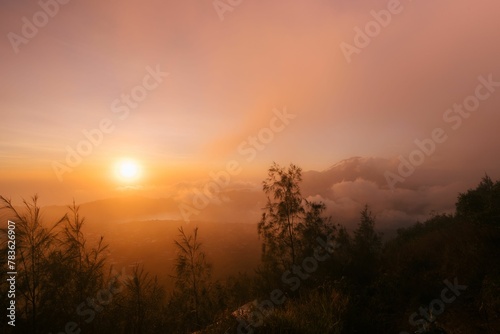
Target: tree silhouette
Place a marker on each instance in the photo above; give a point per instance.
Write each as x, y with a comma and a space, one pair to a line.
481, 205
366, 240
290, 224
75, 269
143, 299
193, 273
34, 245
366, 248
284, 209
312, 226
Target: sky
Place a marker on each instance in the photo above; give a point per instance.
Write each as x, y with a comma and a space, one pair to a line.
211, 78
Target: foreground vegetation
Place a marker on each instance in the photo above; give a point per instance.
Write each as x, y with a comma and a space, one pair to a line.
438, 276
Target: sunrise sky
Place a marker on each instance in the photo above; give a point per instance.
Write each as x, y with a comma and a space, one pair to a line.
227, 80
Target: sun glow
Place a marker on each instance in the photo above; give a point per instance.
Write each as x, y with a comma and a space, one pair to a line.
128, 170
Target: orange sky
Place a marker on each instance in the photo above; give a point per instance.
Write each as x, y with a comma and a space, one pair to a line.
225, 78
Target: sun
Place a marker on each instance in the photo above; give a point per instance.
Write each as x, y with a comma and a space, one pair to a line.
128, 170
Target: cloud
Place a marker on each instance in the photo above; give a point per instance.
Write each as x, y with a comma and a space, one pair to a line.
226, 77
397, 208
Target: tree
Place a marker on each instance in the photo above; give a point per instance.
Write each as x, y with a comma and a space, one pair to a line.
481, 205
34, 245
284, 208
89, 262
365, 238
290, 224
367, 246
192, 280
312, 226
75, 269
143, 299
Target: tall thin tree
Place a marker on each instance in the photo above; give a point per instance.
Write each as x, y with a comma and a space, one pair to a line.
193, 272
282, 215
34, 244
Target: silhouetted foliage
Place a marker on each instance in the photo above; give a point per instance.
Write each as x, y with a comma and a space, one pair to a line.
365, 286
284, 211
35, 245
366, 249
143, 300
191, 296
290, 224
481, 205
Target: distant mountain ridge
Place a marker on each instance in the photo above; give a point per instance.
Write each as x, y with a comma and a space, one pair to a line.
344, 187
370, 169
136, 226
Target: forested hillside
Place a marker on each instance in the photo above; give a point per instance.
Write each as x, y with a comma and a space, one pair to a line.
441, 275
